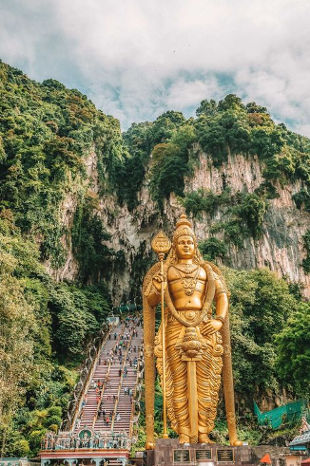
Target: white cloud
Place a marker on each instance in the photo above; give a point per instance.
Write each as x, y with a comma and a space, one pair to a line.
184, 93
138, 58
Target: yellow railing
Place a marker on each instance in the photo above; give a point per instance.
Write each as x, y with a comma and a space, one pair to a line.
133, 403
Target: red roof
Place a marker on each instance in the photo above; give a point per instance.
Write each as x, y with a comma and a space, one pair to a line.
266, 459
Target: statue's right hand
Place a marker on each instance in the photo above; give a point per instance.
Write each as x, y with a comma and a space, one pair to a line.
158, 280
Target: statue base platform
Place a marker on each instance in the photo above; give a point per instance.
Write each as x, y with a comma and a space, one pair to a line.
169, 452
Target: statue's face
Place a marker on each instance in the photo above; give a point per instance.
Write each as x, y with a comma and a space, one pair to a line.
185, 247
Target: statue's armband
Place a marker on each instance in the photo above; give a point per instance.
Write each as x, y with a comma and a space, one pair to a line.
149, 290
219, 286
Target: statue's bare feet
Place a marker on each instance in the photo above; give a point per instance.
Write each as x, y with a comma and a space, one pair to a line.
184, 438
204, 438
236, 443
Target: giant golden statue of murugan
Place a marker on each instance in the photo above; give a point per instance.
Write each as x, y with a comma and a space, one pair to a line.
192, 345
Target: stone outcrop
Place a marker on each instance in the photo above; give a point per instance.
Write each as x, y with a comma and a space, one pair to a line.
280, 247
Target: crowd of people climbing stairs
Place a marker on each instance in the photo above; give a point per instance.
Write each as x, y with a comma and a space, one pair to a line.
107, 402
105, 414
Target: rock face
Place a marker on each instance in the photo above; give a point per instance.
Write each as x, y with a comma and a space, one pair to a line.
280, 247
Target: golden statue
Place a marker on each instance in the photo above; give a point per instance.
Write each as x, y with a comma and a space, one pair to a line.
192, 345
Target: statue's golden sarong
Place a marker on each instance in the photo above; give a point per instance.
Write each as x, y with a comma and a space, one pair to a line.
208, 375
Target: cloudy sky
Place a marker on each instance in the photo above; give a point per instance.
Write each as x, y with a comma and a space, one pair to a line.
137, 58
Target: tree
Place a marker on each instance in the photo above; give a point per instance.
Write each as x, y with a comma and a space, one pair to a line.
207, 107
293, 349
252, 211
166, 125
260, 305
231, 101
17, 323
212, 248
306, 261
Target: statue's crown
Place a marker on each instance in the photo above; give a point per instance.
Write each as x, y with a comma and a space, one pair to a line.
183, 227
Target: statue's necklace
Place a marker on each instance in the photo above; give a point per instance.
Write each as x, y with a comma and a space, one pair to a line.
189, 283
186, 268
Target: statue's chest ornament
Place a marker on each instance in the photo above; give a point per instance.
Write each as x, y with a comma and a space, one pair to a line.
189, 284
188, 281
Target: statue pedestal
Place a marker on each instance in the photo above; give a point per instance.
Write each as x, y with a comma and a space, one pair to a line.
169, 452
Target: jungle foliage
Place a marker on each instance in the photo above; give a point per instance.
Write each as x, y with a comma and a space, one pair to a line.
44, 329
46, 131
88, 240
220, 129
244, 214
306, 261
257, 360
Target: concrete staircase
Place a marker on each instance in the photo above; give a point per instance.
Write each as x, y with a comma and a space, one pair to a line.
110, 409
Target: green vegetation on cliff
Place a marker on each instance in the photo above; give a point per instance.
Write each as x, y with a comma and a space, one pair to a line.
88, 237
306, 261
44, 329
46, 131
167, 151
220, 129
245, 212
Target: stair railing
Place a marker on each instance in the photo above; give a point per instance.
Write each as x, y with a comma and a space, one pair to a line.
133, 417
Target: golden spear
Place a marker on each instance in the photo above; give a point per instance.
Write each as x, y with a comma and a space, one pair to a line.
161, 245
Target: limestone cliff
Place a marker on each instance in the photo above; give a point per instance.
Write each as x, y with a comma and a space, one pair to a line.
280, 247
64, 162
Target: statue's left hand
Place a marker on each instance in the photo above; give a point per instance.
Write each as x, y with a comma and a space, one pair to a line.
158, 280
211, 326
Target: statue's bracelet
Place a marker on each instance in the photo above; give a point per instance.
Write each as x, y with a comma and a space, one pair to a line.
220, 318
